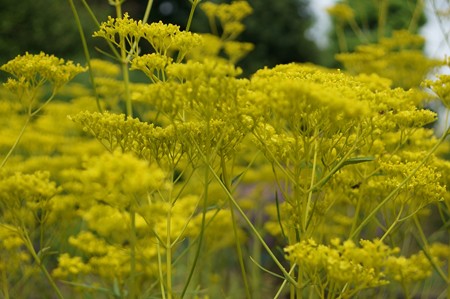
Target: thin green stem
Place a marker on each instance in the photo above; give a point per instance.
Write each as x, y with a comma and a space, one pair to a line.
252, 227
31, 114
97, 23
160, 268
426, 246
256, 279
283, 285
126, 80
359, 33
169, 255
19, 137
147, 11
202, 232
340, 34
132, 253
397, 189
338, 166
5, 288
448, 271
226, 183
191, 14
391, 227
311, 189
418, 10
124, 65
86, 53
29, 246
382, 17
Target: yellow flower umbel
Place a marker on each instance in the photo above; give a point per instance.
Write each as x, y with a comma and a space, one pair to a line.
31, 74
35, 70
441, 87
345, 269
398, 58
229, 17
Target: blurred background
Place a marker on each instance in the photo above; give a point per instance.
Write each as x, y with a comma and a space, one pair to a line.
283, 31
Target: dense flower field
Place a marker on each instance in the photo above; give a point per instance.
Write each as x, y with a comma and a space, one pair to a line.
297, 182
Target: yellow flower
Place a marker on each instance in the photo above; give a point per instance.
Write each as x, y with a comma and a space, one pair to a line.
398, 58
115, 178
103, 68
31, 71
151, 64
342, 12
68, 266
441, 87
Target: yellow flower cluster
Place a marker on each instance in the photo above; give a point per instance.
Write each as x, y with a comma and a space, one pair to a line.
165, 146
26, 198
11, 250
425, 186
31, 72
441, 87
342, 264
151, 63
104, 69
346, 269
118, 177
70, 266
297, 151
229, 15
342, 12
34, 70
230, 18
398, 58
164, 38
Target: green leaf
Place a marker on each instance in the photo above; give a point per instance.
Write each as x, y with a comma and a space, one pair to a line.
357, 160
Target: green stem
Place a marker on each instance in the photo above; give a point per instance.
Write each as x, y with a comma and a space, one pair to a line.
132, 254
124, 64
5, 288
202, 232
29, 246
257, 282
342, 42
86, 53
418, 10
311, 189
31, 114
191, 14
252, 227
11, 150
397, 189
169, 255
126, 80
280, 290
396, 221
161, 275
338, 166
382, 16
426, 246
448, 270
147, 11
356, 213
235, 230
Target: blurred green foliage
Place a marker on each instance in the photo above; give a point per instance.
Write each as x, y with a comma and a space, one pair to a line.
38, 25
277, 28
